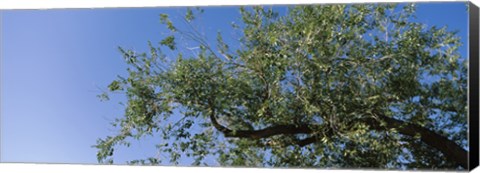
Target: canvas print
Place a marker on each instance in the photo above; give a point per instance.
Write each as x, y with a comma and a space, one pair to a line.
318, 86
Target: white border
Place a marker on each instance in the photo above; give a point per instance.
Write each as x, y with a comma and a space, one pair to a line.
55, 4
62, 168
50, 4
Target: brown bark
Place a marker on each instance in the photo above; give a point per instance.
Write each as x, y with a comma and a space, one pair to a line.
450, 149
263, 133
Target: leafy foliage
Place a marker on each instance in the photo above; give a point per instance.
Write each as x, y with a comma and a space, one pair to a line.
341, 86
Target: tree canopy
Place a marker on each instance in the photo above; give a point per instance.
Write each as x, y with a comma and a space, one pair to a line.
328, 86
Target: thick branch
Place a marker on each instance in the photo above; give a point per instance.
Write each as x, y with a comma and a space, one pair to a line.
307, 141
263, 133
450, 149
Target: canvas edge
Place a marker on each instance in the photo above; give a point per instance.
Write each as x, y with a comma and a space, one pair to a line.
473, 46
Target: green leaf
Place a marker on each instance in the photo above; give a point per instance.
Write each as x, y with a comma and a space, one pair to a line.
169, 42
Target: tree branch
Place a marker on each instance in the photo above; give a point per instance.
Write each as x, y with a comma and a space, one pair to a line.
450, 149
263, 133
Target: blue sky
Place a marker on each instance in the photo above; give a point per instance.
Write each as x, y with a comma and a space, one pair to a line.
55, 62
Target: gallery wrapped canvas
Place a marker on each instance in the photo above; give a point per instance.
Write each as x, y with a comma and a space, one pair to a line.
375, 86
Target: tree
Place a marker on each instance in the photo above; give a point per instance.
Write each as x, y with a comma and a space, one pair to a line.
342, 86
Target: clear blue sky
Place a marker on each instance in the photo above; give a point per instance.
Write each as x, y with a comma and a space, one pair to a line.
53, 63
